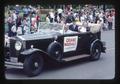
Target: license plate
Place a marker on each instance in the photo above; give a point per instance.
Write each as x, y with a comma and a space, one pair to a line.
13, 59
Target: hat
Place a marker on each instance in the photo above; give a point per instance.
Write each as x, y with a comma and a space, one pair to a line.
76, 19
78, 23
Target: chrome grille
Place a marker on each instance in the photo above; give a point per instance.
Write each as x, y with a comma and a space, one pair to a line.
12, 47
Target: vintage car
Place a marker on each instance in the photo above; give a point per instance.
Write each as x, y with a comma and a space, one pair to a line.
52, 42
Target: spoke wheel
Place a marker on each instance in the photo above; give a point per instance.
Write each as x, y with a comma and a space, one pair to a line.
95, 51
33, 65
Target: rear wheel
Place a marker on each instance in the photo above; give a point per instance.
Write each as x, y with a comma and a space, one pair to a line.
33, 64
95, 51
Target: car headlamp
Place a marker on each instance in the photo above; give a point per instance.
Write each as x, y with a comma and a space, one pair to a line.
18, 45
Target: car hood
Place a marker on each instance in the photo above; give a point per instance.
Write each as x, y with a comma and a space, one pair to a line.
40, 35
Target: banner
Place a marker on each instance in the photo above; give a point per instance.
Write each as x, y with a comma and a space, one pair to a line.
70, 43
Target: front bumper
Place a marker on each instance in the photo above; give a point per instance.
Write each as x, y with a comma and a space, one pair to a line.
12, 63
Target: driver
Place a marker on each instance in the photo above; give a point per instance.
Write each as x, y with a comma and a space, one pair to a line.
74, 27
78, 27
67, 30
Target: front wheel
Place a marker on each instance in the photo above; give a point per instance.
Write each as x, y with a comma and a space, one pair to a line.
95, 51
33, 64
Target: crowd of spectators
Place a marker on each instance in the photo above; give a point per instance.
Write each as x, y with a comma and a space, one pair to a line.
29, 22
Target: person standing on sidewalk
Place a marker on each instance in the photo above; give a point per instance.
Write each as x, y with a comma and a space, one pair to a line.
69, 19
60, 11
47, 18
51, 13
11, 26
113, 26
113, 14
110, 20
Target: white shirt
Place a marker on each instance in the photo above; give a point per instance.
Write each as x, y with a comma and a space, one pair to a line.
59, 10
75, 14
101, 20
82, 18
34, 22
51, 14
7, 41
100, 15
9, 19
113, 26
14, 17
19, 30
27, 29
83, 29
47, 19
91, 17
13, 29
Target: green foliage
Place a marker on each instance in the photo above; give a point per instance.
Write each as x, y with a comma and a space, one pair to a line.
43, 17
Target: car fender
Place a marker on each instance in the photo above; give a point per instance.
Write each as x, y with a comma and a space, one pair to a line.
32, 50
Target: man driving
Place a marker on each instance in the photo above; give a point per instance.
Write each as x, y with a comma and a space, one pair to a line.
74, 27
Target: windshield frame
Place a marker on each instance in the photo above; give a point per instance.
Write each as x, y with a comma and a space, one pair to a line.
43, 26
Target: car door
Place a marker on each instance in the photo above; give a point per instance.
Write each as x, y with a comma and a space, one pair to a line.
75, 43
69, 43
83, 43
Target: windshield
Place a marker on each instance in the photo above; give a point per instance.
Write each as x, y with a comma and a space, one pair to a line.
50, 26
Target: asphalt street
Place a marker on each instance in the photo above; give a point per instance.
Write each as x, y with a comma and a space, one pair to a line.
100, 69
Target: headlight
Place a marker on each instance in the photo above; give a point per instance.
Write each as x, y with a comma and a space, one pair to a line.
18, 45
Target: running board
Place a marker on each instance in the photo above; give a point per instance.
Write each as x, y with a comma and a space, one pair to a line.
75, 57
